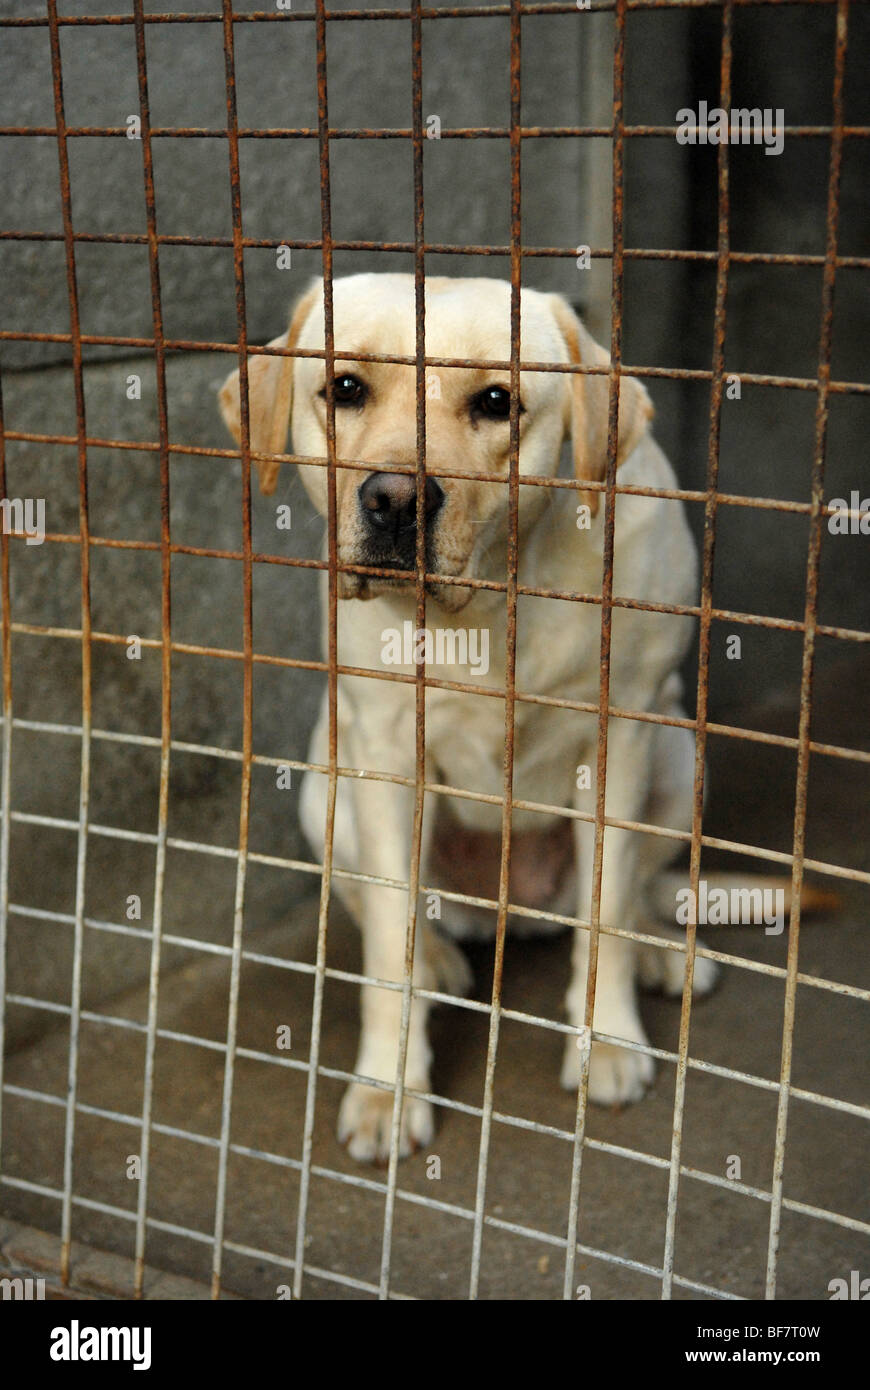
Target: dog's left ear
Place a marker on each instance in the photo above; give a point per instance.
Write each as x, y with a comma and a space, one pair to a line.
270, 397
587, 401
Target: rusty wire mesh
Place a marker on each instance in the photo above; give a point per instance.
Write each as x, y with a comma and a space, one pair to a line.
823, 386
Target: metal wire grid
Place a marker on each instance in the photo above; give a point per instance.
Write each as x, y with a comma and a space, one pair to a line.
823, 386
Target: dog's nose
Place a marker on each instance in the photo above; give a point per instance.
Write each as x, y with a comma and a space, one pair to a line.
389, 502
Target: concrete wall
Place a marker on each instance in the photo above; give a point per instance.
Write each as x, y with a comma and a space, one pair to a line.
782, 58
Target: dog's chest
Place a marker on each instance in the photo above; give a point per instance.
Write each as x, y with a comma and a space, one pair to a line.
465, 740
556, 656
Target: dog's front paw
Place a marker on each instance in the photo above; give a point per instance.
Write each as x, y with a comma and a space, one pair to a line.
616, 1075
365, 1123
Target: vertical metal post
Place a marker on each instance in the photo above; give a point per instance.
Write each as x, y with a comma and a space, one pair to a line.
511, 653
719, 326
166, 648
420, 607
332, 647
809, 648
606, 627
247, 644
84, 541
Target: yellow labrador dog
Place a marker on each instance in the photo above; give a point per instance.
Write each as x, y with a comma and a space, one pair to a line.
649, 766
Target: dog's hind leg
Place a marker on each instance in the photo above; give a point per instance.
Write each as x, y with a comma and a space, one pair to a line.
670, 806
659, 969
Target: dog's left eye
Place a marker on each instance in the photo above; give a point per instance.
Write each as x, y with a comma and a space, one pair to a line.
347, 390
494, 402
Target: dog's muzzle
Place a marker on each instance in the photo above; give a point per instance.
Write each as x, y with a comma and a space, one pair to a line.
388, 507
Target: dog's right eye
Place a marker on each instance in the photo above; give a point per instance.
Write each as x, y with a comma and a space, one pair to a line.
494, 403
347, 390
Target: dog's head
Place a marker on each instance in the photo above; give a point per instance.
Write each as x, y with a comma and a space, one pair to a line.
467, 417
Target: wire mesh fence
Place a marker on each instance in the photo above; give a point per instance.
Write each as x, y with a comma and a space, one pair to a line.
663, 1276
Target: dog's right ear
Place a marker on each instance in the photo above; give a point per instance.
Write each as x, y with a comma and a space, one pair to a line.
270, 396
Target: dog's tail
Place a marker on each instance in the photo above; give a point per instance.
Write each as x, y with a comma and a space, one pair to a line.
669, 891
